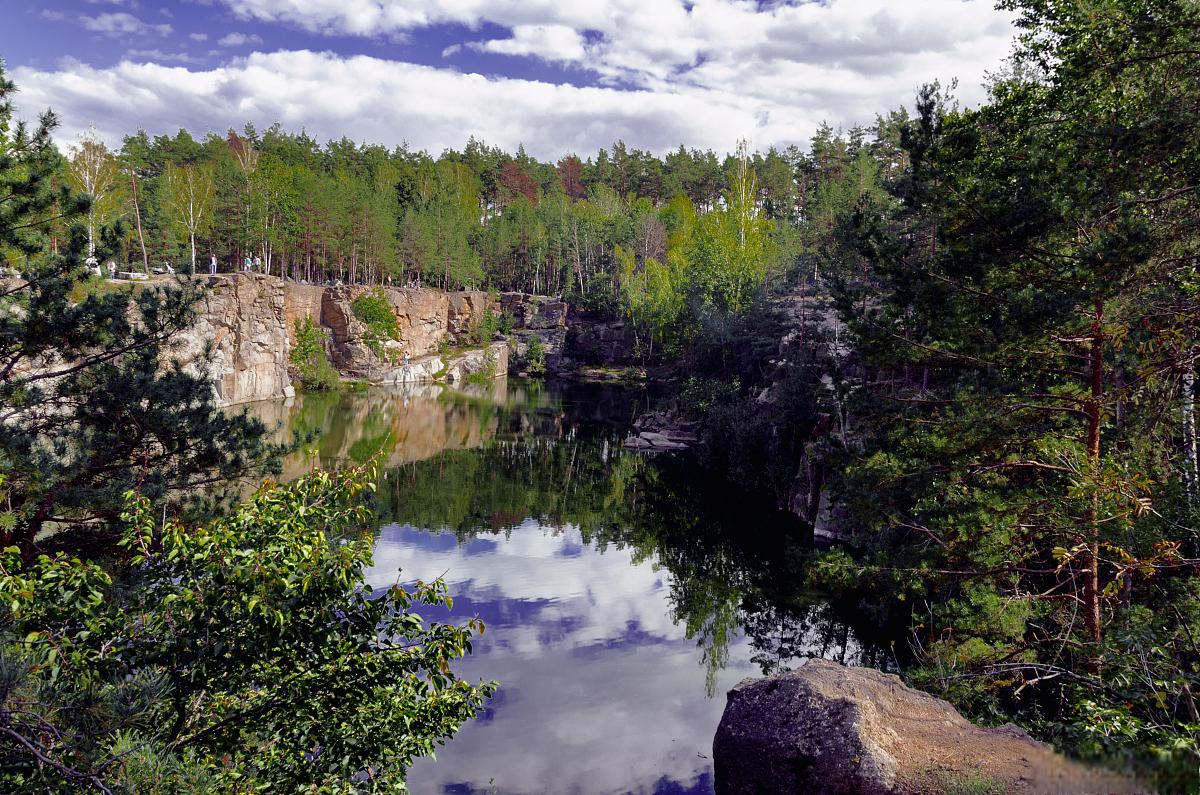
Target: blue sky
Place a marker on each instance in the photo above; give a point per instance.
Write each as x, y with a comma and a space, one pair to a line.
554, 76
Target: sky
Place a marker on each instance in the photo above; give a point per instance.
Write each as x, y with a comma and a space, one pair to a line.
556, 76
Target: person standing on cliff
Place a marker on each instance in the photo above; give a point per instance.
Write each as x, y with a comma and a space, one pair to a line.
246, 264
212, 265
258, 264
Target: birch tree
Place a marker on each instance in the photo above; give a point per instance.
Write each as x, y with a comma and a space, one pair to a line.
188, 201
94, 170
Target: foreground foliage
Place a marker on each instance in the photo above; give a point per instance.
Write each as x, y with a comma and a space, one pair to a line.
244, 655
1024, 469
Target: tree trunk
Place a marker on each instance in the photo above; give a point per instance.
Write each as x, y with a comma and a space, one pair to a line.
1189, 429
1093, 412
137, 214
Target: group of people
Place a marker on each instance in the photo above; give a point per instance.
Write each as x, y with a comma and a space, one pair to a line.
248, 264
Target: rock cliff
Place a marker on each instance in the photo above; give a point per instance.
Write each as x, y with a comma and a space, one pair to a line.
250, 323
246, 323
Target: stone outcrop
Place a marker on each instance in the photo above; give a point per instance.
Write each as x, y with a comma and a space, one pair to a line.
465, 312
246, 322
661, 431
251, 320
453, 369
534, 311
426, 319
826, 728
607, 343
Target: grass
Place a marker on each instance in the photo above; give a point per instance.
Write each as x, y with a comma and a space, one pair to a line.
959, 783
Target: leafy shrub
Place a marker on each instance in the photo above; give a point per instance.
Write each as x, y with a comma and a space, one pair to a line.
535, 357
246, 655
312, 365
373, 311
505, 325
487, 327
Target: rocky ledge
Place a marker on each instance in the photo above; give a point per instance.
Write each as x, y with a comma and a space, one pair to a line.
828, 729
660, 432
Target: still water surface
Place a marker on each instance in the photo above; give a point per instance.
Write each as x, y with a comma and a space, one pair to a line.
622, 596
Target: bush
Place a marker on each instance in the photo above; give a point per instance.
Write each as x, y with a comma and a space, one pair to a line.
487, 327
373, 311
246, 655
312, 365
535, 357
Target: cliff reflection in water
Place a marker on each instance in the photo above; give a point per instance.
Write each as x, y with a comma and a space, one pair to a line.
620, 593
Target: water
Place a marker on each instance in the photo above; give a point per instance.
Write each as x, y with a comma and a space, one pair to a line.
622, 596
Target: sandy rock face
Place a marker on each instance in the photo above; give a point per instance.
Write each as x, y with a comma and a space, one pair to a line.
826, 728
245, 320
251, 322
466, 312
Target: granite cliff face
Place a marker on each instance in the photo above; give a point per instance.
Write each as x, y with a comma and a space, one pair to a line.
247, 320
250, 321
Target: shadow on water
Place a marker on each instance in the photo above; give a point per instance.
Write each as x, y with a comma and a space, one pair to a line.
621, 594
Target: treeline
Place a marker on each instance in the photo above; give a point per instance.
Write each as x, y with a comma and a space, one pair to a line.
479, 218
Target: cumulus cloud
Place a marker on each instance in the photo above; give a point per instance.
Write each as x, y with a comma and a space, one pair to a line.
705, 74
549, 42
122, 24
663, 43
239, 39
198, 36
390, 102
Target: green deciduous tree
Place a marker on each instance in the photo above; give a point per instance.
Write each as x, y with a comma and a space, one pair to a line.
243, 655
188, 197
94, 171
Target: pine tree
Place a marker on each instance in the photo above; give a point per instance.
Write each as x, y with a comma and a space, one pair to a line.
92, 403
1033, 309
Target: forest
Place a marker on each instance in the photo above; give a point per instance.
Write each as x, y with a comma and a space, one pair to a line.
621, 228
992, 404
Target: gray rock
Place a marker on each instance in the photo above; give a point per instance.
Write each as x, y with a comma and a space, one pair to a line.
828, 729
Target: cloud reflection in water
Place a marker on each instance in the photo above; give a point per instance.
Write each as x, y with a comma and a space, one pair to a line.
600, 690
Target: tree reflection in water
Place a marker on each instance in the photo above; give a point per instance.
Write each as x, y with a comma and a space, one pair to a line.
604, 578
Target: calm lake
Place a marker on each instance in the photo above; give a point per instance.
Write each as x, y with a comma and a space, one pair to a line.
623, 596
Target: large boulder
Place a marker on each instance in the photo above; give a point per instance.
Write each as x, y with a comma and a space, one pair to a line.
828, 729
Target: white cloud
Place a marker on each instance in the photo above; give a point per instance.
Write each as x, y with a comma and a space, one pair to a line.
156, 54
389, 102
121, 24
239, 39
549, 42
198, 36
704, 75
652, 44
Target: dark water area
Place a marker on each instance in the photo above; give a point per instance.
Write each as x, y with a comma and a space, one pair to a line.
623, 596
